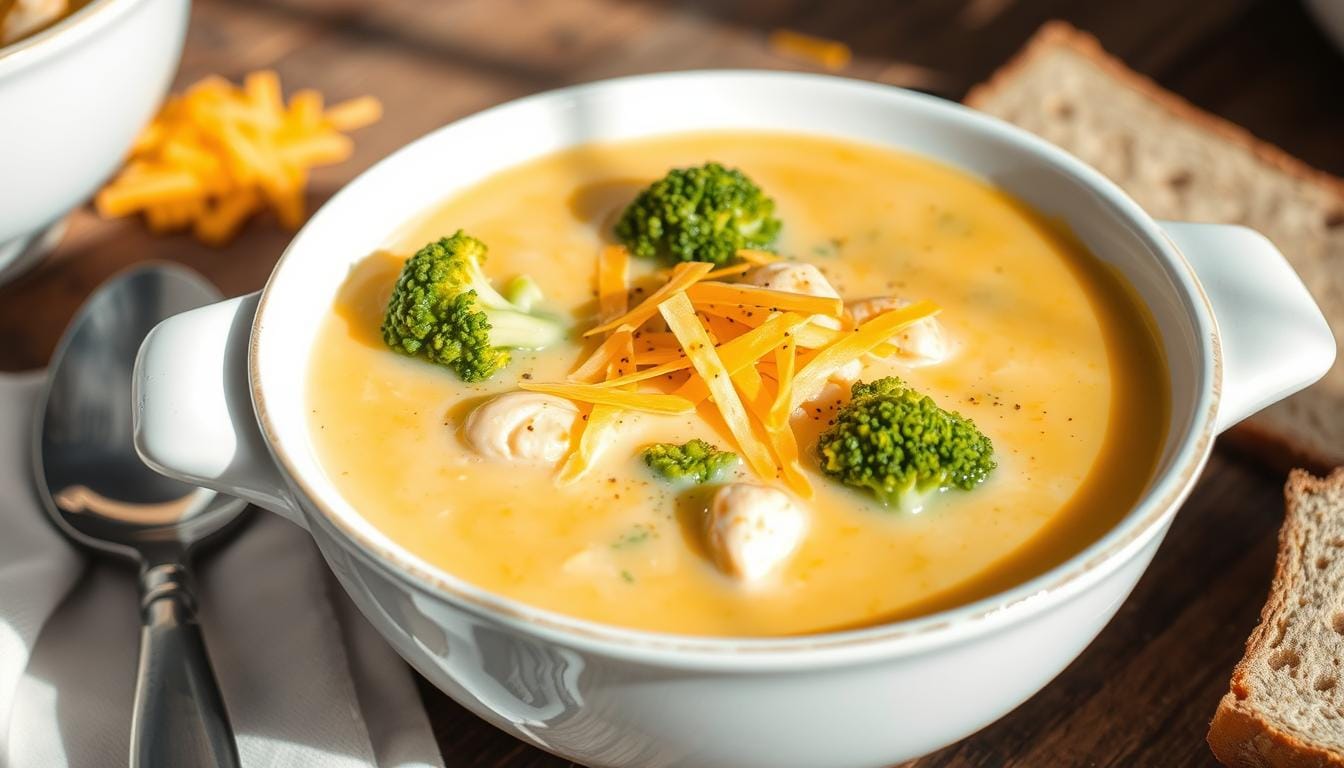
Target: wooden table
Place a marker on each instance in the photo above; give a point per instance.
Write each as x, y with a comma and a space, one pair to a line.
1143, 693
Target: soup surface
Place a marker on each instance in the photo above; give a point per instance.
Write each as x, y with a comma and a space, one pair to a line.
1051, 358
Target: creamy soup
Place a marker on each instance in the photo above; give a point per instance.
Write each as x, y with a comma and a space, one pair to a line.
1049, 354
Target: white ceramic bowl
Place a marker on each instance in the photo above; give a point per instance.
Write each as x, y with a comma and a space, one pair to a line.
72, 99
220, 402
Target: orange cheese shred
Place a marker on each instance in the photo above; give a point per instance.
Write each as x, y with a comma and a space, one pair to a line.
785, 445
595, 366
733, 271
782, 439
597, 395
603, 419
755, 257
736, 294
624, 361
658, 356
721, 328
736, 354
354, 113
218, 153
751, 388
785, 359
651, 340
683, 276
809, 380
829, 54
613, 278
613, 294
813, 336
746, 349
681, 320
305, 112
745, 316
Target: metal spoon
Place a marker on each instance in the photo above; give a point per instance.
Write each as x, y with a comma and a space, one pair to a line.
99, 493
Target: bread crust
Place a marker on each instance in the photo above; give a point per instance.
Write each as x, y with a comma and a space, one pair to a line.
1057, 34
1239, 735
1273, 448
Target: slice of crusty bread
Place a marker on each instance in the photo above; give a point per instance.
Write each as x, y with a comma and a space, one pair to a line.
1181, 163
1286, 706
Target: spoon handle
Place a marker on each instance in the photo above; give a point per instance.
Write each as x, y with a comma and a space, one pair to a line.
179, 719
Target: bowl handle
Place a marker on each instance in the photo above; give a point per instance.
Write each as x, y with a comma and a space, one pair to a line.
1274, 339
193, 406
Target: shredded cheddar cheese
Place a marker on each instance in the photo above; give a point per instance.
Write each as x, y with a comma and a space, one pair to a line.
680, 317
754, 353
219, 153
603, 419
785, 357
613, 278
683, 276
746, 350
613, 297
737, 295
596, 395
736, 270
596, 365
807, 383
756, 258
829, 54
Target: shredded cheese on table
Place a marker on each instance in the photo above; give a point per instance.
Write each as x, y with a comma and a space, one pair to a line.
219, 153
828, 54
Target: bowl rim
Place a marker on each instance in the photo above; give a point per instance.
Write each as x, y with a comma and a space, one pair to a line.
1144, 521
54, 38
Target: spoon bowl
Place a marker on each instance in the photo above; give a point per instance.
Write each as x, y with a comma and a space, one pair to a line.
97, 489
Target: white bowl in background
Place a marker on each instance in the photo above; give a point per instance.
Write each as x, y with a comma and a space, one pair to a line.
220, 403
72, 99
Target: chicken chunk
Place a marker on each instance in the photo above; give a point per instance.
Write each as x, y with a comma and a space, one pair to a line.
753, 530
792, 276
848, 373
795, 277
527, 427
28, 16
920, 343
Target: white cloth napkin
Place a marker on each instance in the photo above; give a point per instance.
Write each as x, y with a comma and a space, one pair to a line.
305, 679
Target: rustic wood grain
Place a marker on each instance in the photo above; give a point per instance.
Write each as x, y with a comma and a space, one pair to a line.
1142, 693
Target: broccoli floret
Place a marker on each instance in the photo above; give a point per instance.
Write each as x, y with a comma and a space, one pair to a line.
697, 460
523, 292
900, 445
444, 309
698, 214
